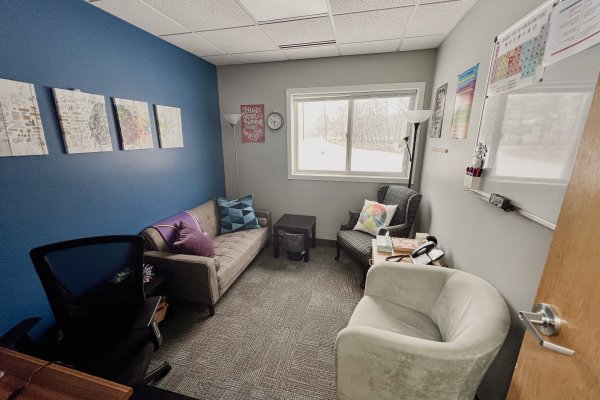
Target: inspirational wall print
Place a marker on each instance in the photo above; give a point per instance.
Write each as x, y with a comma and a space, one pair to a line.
465, 92
134, 124
21, 131
437, 118
170, 132
83, 121
253, 123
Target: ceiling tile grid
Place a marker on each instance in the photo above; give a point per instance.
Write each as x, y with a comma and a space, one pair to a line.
225, 32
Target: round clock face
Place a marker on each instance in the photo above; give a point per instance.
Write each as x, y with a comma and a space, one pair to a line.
275, 120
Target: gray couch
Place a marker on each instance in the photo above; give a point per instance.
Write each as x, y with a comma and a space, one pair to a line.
420, 332
205, 279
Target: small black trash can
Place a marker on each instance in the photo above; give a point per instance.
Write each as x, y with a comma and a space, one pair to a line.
293, 244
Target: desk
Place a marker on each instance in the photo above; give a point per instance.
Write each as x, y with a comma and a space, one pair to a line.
54, 382
378, 257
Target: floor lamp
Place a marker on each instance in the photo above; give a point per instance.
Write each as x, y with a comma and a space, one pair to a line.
415, 117
233, 120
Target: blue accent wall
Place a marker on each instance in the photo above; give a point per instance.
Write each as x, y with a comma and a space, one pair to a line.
44, 199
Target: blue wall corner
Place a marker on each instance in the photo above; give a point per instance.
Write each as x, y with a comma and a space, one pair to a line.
44, 199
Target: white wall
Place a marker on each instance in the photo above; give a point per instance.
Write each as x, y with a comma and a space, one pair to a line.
505, 249
263, 167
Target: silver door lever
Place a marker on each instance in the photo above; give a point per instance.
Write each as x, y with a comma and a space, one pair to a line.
546, 317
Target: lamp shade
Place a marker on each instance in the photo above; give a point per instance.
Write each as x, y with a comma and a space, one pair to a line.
233, 119
417, 116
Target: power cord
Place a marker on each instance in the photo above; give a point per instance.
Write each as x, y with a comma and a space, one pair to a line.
20, 390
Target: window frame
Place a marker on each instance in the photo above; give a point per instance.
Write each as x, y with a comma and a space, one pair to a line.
377, 90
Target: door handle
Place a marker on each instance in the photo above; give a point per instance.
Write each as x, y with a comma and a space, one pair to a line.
546, 317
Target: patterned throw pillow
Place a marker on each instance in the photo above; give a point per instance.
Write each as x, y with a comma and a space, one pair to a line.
374, 216
237, 215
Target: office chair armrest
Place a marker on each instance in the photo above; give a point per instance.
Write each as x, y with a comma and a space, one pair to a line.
401, 230
18, 334
352, 220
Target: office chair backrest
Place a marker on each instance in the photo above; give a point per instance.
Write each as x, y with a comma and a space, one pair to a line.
94, 285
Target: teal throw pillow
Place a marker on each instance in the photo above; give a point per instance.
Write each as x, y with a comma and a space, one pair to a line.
237, 215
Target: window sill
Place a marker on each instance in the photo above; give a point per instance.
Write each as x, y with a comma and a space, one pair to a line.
347, 178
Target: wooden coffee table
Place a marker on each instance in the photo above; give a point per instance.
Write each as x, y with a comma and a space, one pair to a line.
292, 223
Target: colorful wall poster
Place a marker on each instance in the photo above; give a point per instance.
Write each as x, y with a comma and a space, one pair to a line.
437, 117
464, 102
574, 27
253, 123
83, 121
21, 131
134, 124
519, 53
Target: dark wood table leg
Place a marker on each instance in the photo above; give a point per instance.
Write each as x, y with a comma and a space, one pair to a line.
314, 235
276, 242
306, 246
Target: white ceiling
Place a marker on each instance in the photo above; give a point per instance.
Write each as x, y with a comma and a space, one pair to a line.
225, 32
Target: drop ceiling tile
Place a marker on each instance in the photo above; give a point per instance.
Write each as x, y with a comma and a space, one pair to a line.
269, 10
224, 59
348, 6
262, 56
372, 25
438, 18
421, 42
311, 52
141, 15
239, 40
193, 44
378, 46
300, 31
205, 14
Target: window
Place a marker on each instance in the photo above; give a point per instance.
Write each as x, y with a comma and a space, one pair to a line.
350, 133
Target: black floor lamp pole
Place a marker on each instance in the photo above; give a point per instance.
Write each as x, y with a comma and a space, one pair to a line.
411, 157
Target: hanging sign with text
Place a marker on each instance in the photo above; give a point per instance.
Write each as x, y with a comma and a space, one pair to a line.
253, 123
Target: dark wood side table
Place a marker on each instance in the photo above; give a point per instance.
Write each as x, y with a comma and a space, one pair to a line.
304, 224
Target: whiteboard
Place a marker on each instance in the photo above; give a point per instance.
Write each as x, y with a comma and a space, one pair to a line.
532, 134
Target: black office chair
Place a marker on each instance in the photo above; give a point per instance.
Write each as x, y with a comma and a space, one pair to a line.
96, 291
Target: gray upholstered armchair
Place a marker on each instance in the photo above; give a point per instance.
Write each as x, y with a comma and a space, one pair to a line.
420, 333
358, 243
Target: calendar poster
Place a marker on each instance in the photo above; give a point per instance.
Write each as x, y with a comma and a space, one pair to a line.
253, 123
519, 53
463, 103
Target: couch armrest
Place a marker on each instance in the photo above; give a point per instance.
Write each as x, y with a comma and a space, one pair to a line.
374, 363
401, 230
352, 220
414, 286
195, 277
269, 223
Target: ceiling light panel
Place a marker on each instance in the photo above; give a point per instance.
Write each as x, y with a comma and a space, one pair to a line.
221, 60
239, 40
205, 14
269, 10
311, 52
193, 44
438, 18
373, 25
263, 56
422, 42
141, 15
300, 31
349, 6
378, 46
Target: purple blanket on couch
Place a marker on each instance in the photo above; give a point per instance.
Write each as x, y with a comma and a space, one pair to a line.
168, 226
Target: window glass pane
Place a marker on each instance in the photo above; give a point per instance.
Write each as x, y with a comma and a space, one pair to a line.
321, 135
378, 131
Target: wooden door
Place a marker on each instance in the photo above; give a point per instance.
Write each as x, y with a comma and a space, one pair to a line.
571, 282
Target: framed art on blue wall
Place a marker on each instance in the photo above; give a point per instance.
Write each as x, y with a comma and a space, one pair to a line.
83, 121
21, 131
134, 124
169, 126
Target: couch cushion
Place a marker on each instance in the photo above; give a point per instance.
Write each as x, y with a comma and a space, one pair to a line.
359, 243
379, 313
237, 215
190, 240
234, 251
208, 217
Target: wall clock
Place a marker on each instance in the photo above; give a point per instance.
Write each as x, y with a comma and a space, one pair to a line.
275, 120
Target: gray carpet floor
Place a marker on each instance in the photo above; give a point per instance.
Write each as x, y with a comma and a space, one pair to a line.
273, 334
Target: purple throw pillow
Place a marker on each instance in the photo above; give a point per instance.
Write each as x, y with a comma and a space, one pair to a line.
189, 240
